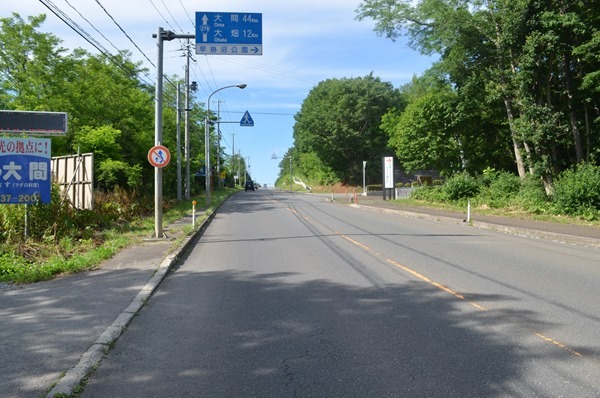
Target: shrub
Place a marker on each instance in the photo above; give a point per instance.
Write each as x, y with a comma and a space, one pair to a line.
577, 191
461, 186
531, 196
498, 188
112, 173
43, 219
429, 193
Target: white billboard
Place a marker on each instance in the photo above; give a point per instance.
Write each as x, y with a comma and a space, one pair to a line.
75, 176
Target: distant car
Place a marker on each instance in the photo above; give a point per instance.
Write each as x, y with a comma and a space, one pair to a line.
249, 186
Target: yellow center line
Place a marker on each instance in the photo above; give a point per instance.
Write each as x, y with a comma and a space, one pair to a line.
556, 343
415, 273
436, 284
354, 242
439, 285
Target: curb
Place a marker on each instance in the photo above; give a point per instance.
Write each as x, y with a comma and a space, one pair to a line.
69, 384
531, 233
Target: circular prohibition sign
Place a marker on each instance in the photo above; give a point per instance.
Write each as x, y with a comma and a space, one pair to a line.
159, 156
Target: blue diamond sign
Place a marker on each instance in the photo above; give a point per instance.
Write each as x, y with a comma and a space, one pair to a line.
228, 33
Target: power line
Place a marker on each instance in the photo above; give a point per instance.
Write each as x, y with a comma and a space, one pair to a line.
169, 11
73, 25
92, 25
125, 33
86, 36
159, 13
188, 14
273, 70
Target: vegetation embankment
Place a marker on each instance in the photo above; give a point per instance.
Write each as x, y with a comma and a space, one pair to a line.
62, 240
574, 199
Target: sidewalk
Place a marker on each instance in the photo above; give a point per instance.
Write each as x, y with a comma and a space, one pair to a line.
54, 333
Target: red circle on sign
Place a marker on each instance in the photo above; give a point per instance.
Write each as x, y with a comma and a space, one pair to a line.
159, 156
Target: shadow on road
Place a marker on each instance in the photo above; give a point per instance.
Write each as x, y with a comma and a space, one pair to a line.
263, 335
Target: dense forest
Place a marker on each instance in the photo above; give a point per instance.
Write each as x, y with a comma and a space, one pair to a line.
516, 89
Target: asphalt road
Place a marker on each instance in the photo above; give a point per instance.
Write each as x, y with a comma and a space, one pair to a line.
287, 295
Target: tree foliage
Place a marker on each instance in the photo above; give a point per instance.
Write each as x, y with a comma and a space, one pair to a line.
29, 61
535, 60
110, 108
339, 123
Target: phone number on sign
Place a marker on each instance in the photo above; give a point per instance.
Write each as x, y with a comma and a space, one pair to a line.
19, 198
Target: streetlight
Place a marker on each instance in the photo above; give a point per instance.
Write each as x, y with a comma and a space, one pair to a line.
290, 158
207, 139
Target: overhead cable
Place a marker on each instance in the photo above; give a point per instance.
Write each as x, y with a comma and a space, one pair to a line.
125, 33
92, 25
86, 36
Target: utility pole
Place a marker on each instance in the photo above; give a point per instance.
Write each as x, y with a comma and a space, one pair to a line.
247, 169
219, 142
240, 168
187, 122
161, 35
233, 158
178, 102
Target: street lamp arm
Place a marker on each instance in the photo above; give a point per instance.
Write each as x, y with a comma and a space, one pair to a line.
207, 139
242, 86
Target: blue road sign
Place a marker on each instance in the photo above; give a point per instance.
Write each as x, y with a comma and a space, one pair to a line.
201, 172
247, 120
25, 175
228, 33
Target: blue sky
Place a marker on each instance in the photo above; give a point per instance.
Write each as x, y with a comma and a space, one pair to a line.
304, 42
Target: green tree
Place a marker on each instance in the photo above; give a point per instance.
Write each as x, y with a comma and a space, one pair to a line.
340, 123
96, 91
474, 40
446, 128
535, 57
29, 61
102, 141
427, 134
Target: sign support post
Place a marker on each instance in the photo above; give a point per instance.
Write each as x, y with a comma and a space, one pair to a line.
161, 36
388, 177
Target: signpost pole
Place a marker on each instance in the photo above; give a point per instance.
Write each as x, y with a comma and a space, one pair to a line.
161, 35
178, 129
158, 232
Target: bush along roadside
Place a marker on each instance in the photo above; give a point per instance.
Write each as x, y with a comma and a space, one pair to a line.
65, 240
576, 192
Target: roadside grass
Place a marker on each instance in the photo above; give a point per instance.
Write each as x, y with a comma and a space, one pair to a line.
502, 212
461, 208
39, 261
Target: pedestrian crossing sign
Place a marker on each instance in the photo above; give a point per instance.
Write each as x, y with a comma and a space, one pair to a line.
247, 120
